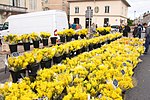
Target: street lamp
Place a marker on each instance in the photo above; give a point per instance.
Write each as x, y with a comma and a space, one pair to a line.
134, 16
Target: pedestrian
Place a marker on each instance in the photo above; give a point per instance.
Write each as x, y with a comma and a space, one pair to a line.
73, 26
80, 26
140, 28
93, 28
77, 26
96, 26
135, 31
126, 30
147, 37
69, 25
120, 29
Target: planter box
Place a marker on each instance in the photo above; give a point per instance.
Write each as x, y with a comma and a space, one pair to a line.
76, 37
13, 48
17, 75
45, 42
46, 64
36, 44
53, 40
68, 38
62, 39
32, 69
82, 36
90, 47
26, 46
57, 60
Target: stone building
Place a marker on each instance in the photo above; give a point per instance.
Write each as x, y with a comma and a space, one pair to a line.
109, 12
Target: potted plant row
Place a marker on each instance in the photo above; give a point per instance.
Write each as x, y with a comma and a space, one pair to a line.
43, 57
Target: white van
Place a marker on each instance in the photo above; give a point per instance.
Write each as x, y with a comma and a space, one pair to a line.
43, 21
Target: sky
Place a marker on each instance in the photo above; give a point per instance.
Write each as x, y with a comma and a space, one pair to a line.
140, 6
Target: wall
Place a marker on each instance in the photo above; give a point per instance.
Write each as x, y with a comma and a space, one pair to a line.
37, 3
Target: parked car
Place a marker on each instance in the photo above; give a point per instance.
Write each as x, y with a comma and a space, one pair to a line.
115, 28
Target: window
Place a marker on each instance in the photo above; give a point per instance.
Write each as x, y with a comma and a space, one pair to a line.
76, 20
76, 9
96, 9
107, 9
106, 22
33, 4
16, 3
5, 26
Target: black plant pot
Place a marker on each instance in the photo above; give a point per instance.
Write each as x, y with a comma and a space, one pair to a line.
53, 40
17, 75
84, 49
68, 38
13, 48
99, 45
26, 46
45, 42
62, 39
66, 56
108, 41
90, 47
95, 46
78, 51
57, 60
46, 64
36, 44
76, 37
72, 54
102, 43
32, 69
82, 36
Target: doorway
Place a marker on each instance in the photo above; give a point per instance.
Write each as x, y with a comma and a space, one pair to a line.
76, 20
87, 22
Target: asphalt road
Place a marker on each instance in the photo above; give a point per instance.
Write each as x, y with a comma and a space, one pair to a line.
142, 76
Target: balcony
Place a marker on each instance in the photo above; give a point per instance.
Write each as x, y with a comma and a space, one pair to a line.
10, 8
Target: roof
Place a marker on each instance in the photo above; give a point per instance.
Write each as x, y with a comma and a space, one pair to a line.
124, 1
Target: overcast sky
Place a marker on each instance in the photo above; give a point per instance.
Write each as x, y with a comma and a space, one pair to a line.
140, 6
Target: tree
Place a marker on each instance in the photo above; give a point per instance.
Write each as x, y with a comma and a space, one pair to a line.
130, 22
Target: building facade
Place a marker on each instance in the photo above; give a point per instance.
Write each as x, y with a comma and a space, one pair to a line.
105, 12
11, 7
146, 17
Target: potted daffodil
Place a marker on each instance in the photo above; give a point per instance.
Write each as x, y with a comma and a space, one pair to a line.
36, 39
25, 38
12, 40
45, 37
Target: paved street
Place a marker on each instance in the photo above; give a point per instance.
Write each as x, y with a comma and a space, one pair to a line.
142, 75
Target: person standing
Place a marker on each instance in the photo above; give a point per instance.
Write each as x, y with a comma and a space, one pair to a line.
93, 28
147, 37
135, 34
120, 28
73, 26
77, 26
126, 30
69, 25
140, 28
